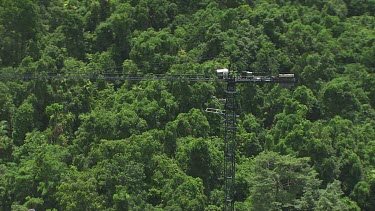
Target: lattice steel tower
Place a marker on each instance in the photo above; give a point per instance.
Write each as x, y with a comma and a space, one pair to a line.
230, 143
230, 122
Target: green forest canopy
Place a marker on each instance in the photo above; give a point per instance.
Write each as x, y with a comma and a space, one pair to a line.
113, 145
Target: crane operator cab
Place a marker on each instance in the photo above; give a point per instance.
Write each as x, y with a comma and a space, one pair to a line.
222, 73
247, 75
287, 80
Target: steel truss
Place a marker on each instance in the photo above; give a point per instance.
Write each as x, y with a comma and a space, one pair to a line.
230, 144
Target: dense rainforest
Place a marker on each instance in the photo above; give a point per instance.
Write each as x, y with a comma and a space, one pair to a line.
94, 144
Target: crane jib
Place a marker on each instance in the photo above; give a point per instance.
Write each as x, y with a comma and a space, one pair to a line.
281, 78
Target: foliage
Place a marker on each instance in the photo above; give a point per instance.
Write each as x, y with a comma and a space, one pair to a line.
149, 145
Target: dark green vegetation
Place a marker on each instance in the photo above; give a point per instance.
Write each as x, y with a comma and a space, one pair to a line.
101, 145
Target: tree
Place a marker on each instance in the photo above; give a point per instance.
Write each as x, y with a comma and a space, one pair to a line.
115, 33
6, 144
33, 174
363, 192
153, 51
187, 124
78, 185
357, 7
273, 103
98, 11
72, 27
154, 14
277, 181
267, 62
172, 189
120, 183
20, 20
184, 193
318, 69
306, 97
24, 121
199, 158
337, 8
330, 199
6, 104
340, 97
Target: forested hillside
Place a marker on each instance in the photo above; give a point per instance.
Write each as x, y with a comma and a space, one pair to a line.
94, 144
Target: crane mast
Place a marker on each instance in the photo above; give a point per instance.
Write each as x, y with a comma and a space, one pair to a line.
230, 143
230, 122
230, 113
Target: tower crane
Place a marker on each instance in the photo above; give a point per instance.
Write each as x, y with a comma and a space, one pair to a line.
230, 112
230, 121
